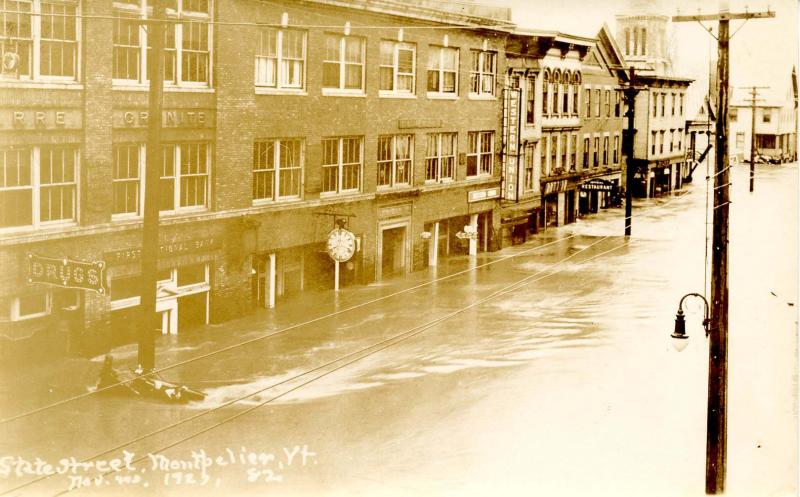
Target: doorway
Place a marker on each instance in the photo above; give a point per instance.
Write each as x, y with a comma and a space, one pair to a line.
393, 260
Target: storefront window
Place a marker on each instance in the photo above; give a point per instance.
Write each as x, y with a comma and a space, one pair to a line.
192, 274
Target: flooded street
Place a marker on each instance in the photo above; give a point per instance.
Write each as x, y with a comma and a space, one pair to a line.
547, 369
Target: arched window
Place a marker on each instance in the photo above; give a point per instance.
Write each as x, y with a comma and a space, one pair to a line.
567, 91
556, 92
576, 92
546, 92
644, 41
627, 41
635, 41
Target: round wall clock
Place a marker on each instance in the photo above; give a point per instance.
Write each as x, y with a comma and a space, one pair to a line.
341, 245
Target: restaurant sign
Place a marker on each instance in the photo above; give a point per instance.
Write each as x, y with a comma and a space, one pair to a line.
67, 273
598, 184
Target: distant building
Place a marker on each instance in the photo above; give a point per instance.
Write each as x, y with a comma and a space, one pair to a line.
776, 122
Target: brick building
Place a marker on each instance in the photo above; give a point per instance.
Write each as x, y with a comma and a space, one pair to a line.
279, 117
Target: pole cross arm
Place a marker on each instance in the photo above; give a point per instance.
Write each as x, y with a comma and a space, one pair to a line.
724, 16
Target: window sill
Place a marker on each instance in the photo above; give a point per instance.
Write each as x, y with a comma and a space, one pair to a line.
479, 177
392, 94
118, 218
260, 90
335, 92
339, 195
263, 202
52, 226
477, 96
172, 89
441, 96
41, 85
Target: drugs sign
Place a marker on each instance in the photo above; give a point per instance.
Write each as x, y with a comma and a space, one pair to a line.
67, 273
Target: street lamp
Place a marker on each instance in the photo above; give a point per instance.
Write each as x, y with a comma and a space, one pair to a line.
679, 334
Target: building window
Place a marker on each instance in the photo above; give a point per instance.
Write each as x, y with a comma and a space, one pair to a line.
341, 165
670, 139
733, 115
655, 104
564, 156
566, 91
440, 157
627, 41
530, 100
277, 169
663, 104
187, 43
343, 63
740, 141
681, 100
597, 107
596, 152
38, 185
443, 70
766, 117
543, 153
608, 103
661, 144
586, 153
554, 165
576, 90
482, 73
398, 67
127, 179
41, 38
394, 160
530, 159
280, 61
185, 177
672, 102
653, 137
644, 41
573, 162
546, 93
588, 98
30, 306
616, 149
556, 92
605, 150
617, 103
480, 153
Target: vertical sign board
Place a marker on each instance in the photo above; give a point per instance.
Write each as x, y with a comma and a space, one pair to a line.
67, 273
511, 138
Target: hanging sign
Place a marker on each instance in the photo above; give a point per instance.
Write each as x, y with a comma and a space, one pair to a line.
67, 273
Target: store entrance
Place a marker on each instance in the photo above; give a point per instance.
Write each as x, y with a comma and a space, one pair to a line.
393, 260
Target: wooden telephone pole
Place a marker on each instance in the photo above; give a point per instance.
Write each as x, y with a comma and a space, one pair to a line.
148, 319
716, 426
753, 100
630, 92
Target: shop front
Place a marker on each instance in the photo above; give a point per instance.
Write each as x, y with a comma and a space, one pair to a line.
598, 193
559, 205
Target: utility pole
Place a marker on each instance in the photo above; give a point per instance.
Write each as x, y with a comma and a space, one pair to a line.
716, 424
630, 92
148, 320
753, 100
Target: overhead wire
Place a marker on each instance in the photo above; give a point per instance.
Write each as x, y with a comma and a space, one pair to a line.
284, 381
385, 344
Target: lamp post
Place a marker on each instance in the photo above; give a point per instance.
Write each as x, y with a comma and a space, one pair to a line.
679, 334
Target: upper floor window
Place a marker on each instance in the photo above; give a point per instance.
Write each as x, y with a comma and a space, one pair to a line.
443, 70
573, 152
588, 99
663, 104
341, 164
530, 100
543, 153
766, 117
480, 153
616, 149
566, 88
483, 72
556, 98
38, 185
280, 61
187, 43
185, 178
653, 139
608, 103
617, 103
576, 88
530, 157
39, 39
127, 179
586, 153
343, 63
605, 150
733, 115
440, 157
681, 103
596, 152
546, 93
655, 104
398, 67
597, 97
394, 160
277, 169
672, 102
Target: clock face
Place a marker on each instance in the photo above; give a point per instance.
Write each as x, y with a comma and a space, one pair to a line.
341, 245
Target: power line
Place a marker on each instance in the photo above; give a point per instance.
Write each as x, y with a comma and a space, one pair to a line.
383, 345
281, 331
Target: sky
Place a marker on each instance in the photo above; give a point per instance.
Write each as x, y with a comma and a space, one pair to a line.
762, 52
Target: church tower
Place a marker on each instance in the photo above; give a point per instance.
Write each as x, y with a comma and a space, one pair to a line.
643, 36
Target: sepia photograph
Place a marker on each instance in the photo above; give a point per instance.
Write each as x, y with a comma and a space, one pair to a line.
399, 248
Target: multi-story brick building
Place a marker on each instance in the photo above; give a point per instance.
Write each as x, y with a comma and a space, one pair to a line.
660, 112
279, 117
602, 119
541, 123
